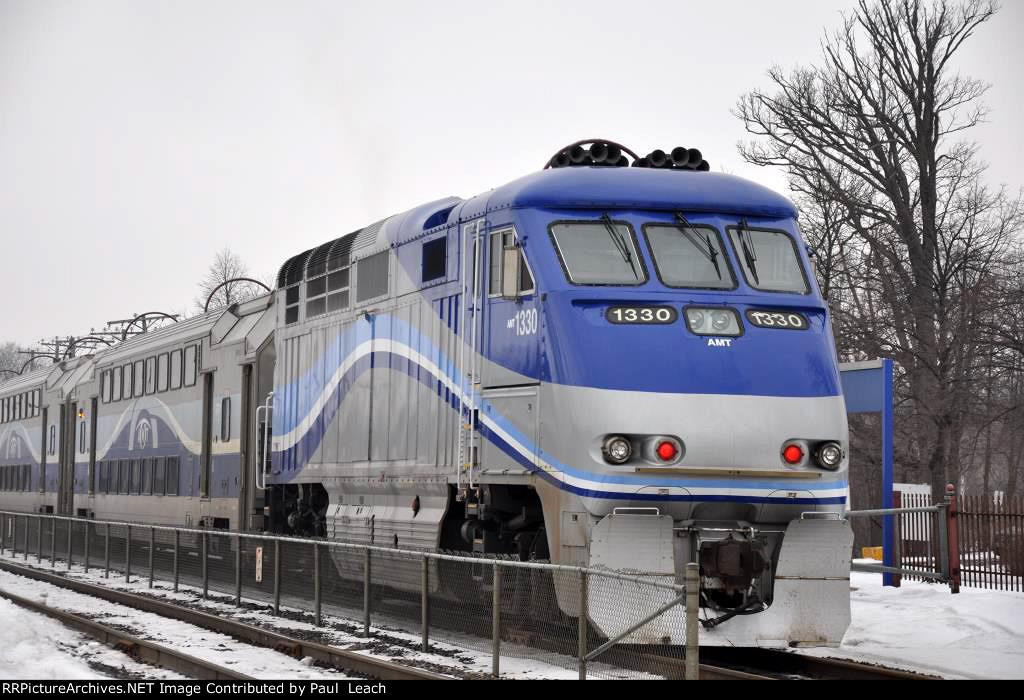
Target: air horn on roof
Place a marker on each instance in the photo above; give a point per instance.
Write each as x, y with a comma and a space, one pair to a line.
601, 152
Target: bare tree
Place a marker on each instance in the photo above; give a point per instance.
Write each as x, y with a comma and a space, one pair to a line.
10, 360
14, 358
226, 266
869, 138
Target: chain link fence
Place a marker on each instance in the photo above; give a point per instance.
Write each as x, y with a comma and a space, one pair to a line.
494, 616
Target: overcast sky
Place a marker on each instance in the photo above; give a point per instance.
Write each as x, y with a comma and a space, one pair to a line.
139, 137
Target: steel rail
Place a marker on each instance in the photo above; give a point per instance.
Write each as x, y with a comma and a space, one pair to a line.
792, 664
299, 648
141, 650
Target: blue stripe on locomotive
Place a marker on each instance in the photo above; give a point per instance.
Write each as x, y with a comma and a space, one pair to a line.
301, 395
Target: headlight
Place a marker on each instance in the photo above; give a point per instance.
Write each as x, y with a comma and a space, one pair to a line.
704, 321
829, 455
617, 450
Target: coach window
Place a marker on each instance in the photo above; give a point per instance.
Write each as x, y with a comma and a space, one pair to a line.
115, 385
81, 437
150, 373
123, 472
53, 439
158, 476
176, 369
225, 419
138, 379
3, 410
191, 364
127, 381
171, 476
136, 476
147, 476
435, 259
161, 372
105, 386
17, 407
39, 401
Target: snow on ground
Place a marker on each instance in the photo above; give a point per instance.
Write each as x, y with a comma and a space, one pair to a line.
922, 626
454, 655
34, 646
195, 641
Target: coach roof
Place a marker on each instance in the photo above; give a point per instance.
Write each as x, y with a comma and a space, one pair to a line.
640, 188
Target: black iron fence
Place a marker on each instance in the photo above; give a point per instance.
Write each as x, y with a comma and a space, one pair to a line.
509, 611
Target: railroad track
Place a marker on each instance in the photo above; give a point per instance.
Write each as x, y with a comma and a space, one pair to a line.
776, 663
718, 663
339, 659
141, 650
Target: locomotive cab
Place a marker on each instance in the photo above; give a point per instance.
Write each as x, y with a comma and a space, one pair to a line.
690, 407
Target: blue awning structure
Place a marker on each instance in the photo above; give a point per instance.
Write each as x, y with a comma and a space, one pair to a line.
867, 388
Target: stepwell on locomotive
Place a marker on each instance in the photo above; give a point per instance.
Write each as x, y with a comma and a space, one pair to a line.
597, 364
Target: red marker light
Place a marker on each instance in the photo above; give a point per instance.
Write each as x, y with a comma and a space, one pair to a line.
667, 451
793, 454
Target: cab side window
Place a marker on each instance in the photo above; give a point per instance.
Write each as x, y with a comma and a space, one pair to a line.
499, 242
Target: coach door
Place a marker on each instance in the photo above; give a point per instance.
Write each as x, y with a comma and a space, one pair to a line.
66, 472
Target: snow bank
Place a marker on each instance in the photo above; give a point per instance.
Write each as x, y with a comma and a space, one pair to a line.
922, 626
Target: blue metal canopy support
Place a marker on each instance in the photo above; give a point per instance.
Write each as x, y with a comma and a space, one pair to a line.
867, 388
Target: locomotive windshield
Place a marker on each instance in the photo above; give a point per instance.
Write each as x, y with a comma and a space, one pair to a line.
769, 260
689, 256
598, 252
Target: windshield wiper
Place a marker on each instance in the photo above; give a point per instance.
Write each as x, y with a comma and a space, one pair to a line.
748, 250
620, 243
693, 237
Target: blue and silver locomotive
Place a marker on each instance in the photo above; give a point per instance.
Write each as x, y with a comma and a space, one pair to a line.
619, 367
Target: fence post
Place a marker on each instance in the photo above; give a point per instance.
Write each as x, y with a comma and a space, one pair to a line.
316, 584
277, 576
3, 535
897, 538
39, 541
692, 629
152, 550
496, 622
88, 528
53, 542
366, 592
581, 626
952, 539
174, 563
206, 572
238, 571
26, 537
71, 531
425, 604
106, 551
128, 555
